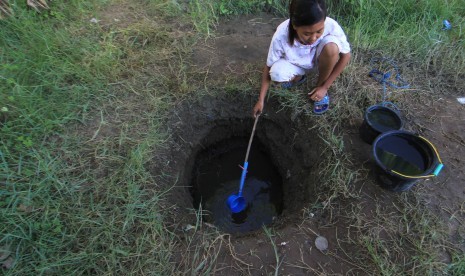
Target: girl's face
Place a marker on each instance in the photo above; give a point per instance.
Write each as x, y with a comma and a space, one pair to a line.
308, 35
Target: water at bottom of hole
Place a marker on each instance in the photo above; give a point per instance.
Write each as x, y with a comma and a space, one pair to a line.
217, 176
260, 208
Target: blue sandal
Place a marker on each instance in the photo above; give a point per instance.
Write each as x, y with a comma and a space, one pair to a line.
321, 106
289, 84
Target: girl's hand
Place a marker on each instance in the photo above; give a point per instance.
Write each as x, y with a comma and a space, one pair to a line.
318, 93
258, 108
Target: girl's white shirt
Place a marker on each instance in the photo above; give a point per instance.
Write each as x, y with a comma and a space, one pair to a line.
299, 54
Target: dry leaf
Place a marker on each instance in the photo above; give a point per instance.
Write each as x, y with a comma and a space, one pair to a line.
5, 9
4, 252
25, 208
38, 5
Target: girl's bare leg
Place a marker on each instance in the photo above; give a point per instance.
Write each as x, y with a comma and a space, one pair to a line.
329, 56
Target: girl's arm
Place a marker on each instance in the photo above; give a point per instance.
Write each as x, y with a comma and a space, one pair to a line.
266, 80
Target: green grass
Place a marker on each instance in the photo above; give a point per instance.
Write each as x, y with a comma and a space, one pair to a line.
47, 75
59, 216
458, 265
206, 13
402, 241
416, 25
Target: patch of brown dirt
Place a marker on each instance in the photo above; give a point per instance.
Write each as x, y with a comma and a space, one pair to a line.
241, 41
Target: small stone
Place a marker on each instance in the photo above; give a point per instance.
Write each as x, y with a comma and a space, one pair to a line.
446, 24
321, 243
188, 227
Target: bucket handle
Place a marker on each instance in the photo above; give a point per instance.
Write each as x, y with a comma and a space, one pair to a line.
436, 171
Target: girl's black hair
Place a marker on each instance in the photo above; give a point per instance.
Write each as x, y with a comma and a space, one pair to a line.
305, 13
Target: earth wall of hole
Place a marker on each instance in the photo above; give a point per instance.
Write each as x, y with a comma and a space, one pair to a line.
293, 145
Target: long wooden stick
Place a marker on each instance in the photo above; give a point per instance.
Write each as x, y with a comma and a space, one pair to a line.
251, 138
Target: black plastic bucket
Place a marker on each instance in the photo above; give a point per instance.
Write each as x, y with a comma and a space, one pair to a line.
379, 119
403, 158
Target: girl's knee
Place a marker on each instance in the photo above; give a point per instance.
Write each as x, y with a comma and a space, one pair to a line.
329, 55
330, 50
